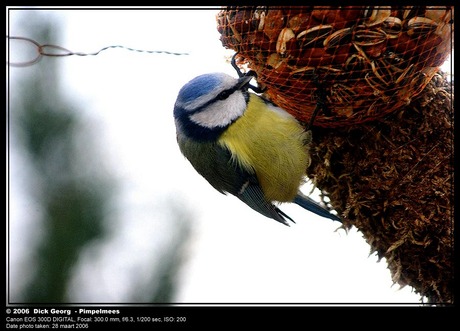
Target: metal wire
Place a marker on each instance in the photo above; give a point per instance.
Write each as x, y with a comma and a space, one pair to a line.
59, 51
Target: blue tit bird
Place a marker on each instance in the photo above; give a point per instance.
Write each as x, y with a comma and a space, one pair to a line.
243, 144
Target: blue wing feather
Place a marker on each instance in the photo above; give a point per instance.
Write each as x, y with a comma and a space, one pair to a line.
253, 196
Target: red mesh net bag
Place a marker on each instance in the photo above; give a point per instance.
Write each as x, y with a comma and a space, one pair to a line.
365, 61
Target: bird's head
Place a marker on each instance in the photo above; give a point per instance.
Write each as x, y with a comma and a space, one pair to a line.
209, 103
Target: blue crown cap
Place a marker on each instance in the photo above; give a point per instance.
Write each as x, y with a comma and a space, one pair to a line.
199, 86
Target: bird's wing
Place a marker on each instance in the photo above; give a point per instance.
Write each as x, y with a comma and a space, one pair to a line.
214, 162
251, 194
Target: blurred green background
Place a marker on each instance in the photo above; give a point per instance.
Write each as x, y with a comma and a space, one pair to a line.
70, 192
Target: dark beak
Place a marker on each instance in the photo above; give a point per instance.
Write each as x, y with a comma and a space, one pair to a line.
243, 81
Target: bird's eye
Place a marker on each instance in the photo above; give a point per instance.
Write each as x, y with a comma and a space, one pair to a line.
223, 95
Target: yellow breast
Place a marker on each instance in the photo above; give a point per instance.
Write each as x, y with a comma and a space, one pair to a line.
271, 143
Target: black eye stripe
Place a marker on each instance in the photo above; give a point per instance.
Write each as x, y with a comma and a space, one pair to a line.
224, 94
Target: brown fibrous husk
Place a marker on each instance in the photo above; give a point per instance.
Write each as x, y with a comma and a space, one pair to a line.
392, 179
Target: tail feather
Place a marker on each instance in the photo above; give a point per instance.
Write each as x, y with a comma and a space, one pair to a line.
311, 205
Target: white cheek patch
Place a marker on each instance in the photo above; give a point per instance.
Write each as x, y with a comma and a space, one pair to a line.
221, 113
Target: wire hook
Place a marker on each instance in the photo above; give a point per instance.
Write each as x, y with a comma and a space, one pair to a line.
249, 73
